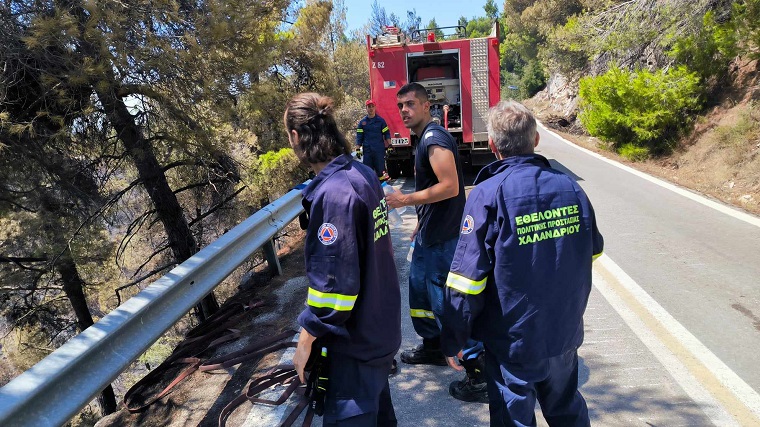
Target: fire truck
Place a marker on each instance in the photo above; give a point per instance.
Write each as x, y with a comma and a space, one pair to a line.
459, 73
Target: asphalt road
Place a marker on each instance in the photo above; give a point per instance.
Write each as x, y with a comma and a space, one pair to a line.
701, 265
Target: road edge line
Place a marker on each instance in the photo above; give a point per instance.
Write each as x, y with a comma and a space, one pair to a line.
683, 371
742, 216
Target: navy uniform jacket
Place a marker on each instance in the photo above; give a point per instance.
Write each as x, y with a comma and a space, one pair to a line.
371, 133
354, 302
521, 275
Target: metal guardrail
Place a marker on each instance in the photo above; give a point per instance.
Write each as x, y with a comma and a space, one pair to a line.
56, 388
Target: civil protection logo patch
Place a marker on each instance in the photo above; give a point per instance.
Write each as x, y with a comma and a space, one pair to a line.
468, 225
327, 234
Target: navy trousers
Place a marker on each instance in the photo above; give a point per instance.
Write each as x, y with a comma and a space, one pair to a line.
513, 389
358, 394
374, 157
427, 277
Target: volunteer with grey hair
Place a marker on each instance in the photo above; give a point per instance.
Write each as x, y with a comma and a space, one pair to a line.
521, 277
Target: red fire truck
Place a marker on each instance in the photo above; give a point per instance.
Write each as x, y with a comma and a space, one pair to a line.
457, 72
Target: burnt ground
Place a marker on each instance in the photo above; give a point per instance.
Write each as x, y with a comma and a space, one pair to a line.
199, 399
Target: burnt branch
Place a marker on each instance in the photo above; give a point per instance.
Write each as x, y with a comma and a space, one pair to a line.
217, 206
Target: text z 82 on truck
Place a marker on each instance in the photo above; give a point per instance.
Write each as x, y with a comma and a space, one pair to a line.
459, 73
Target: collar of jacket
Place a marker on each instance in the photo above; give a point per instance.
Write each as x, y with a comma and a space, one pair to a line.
500, 166
335, 165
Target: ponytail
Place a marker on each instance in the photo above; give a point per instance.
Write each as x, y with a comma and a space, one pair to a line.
311, 116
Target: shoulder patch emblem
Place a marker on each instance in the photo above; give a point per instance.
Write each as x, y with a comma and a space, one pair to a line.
429, 134
468, 225
364, 123
327, 234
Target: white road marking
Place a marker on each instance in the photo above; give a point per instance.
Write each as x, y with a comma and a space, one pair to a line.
743, 216
687, 373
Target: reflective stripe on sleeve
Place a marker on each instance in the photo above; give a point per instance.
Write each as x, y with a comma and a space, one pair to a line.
359, 130
425, 314
385, 129
594, 257
337, 302
465, 285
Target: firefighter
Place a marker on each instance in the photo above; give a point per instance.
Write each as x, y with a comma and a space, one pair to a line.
521, 277
353, 307
439, 199
373, 137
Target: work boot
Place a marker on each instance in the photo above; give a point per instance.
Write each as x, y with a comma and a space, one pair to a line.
427, 353
473, 387
394, 368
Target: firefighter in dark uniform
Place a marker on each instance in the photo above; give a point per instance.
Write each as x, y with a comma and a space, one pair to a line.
521, 277
374, 137
439, 201
354, 303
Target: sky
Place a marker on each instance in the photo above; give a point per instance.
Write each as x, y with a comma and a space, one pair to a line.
445, 12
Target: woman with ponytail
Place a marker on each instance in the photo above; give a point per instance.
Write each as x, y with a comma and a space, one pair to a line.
353, 307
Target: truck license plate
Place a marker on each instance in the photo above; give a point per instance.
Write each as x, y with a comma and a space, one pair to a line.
399, 141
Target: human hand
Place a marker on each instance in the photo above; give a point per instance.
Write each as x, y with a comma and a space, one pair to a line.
395, 199
303, 351
453, 362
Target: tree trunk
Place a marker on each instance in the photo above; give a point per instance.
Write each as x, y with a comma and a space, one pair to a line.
73, 287
140, 151
151, 174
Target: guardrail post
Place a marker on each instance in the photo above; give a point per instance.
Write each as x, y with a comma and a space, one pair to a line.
271, 255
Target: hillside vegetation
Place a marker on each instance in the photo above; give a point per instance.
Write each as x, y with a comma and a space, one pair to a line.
134, 134
669, 84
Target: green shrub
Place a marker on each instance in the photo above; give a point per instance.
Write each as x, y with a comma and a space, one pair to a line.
709, 50
642, 108
276, 172
633, 152
747, 17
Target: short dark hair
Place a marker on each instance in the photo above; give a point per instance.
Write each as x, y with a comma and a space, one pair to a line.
311, 116
419, 91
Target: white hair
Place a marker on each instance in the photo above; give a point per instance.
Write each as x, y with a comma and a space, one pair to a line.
512, 127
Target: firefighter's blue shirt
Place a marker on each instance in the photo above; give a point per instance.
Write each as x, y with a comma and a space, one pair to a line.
521, 275
354, 301
371, 133
439, 221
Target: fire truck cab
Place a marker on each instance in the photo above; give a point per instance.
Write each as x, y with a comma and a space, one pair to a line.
459, 73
